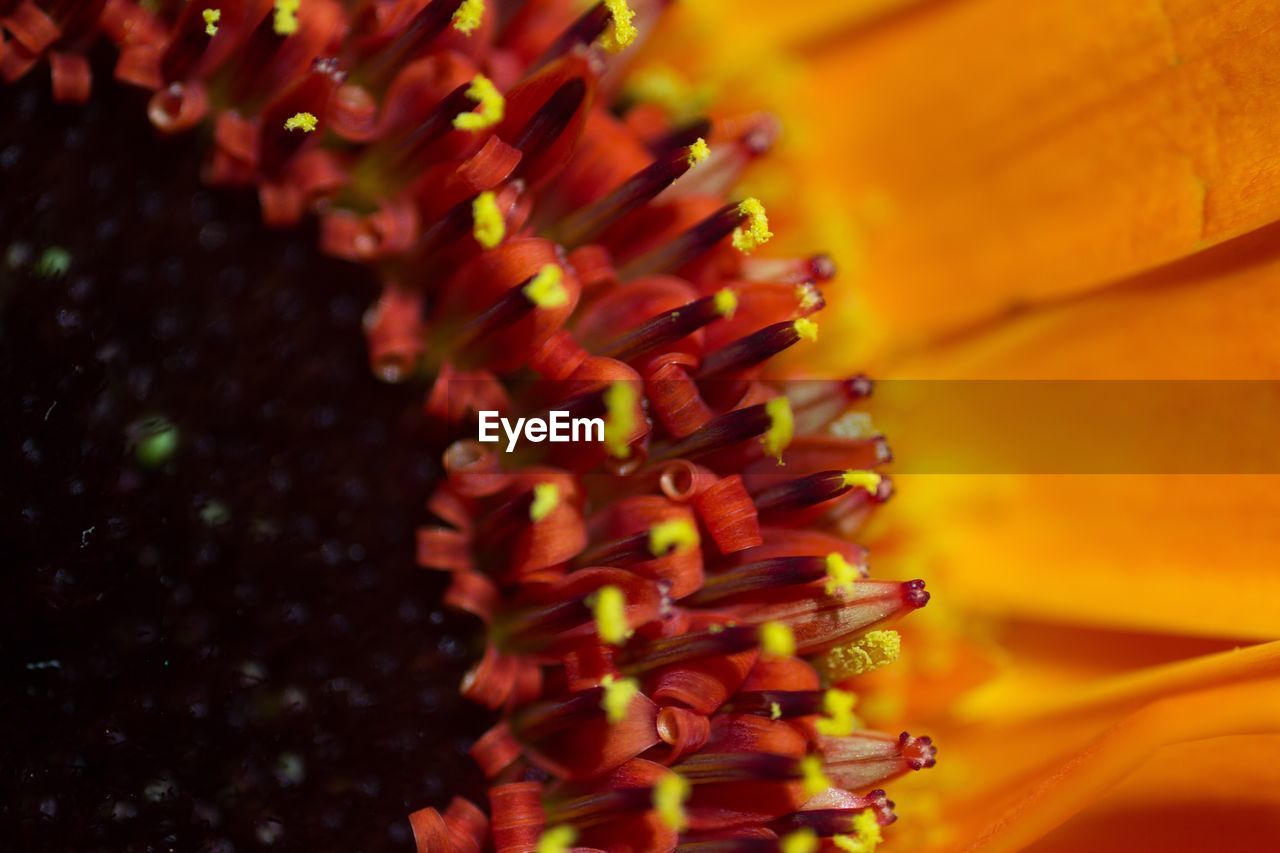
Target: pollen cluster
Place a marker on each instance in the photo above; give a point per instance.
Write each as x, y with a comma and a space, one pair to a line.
663, 608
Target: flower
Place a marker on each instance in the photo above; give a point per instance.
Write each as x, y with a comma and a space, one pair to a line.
1059, 191
674, 617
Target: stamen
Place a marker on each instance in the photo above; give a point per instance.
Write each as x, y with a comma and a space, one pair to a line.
586, 223
671, 326
781, 427
757, 347
775, 711
677, 534
211, 18
610, 608
623, 31
867, 835
546, 289
620, 418
468, 17
490, 106
803, 840
868, 480
777, 640
618, 693
840, 575
865, 654
755, 231
306, 122
804, 491
285, 22
546, 497
557, 839
776, 704
489, 226
815, 779
840, 720
698, 152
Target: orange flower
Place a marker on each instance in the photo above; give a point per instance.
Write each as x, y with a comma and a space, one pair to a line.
1060, 190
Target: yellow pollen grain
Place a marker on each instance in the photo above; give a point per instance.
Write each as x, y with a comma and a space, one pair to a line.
610, 608
488, 225
698, 152
620, 418
490, 105
775, 711
546, 497
868, 480
808, 297
285, 21
726, 302
468, 17
807, 329
622, 29
305, 122
211, 18
815, 779
782, 425
557, 839
840, 721
755, 232
546, 289
777, 640
865, 654
803, 840
840, 575
866, 837
669, 795
676, 534
618, 693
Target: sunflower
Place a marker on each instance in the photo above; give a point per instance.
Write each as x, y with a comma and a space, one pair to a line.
1060, 191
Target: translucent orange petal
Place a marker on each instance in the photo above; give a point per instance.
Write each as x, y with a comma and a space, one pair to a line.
1249, 708
1000, 153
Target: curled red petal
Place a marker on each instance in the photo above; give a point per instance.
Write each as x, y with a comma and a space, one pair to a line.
72, 78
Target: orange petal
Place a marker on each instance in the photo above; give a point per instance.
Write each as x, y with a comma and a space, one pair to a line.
1002, 153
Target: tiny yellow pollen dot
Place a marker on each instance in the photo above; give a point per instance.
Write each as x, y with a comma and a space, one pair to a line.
775, 711
868, 480
865, 654
840, 575
622, 30
777, 640
669, 795
808, 297
717, 628
782, 424
490, 105
488, 225
618, 693
840, 721
546, 497
620, 418
468, 17
803, 840
305, 122
557, 839
285, 21
815, 779
807, 329
755, 231
546, 289
211, 18
698, 152
726, 301
610, 608
676, 534
866, 837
